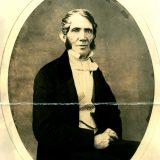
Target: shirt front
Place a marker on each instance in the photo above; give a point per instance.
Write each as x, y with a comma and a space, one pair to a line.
82, 70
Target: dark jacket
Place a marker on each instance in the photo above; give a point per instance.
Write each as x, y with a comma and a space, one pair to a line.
56, 110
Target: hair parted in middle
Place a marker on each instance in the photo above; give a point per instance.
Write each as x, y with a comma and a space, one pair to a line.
65, 24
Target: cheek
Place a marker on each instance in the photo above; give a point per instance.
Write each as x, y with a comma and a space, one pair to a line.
91, 39
72, 38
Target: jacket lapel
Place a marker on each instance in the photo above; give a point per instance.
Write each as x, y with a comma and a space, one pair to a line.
99, 87
66, 81
68, 89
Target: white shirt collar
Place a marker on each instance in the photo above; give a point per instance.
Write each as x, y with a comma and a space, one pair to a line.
77, 55
81, 64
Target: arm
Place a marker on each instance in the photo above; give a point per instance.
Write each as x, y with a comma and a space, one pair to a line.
107, 114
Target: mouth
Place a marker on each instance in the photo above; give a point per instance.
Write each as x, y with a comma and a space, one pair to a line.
82, 46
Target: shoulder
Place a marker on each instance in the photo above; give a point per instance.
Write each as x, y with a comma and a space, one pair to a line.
49, 67
48, 70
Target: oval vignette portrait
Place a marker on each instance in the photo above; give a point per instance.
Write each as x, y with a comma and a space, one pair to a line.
121, 53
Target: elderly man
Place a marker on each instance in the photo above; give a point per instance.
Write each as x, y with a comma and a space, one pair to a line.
75, 114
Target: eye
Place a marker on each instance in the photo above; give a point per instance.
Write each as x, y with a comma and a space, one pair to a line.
75, 30
88, 30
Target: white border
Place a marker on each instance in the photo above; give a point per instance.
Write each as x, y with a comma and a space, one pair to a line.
13, 15
12, 148
145, 17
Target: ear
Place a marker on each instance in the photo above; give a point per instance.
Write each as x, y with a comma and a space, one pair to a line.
62, 37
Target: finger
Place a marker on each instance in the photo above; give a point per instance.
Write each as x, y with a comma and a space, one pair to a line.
108, 130
113, 134
111, 139
102, 145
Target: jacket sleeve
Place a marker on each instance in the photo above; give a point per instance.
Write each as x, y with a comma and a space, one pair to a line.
48, 118
107, 112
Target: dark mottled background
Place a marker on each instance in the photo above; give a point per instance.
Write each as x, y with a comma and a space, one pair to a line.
121, 53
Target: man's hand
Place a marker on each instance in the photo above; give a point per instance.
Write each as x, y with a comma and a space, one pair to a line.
102, 141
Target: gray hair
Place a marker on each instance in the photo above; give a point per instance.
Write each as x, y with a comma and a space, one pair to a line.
65, 24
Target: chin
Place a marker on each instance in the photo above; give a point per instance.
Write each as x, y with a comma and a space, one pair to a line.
84, 52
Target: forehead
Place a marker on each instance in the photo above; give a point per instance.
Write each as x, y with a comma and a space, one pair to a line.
79, 21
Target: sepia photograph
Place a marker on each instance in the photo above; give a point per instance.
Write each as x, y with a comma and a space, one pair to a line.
79, 81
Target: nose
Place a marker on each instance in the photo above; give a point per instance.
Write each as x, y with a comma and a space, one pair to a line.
82, 36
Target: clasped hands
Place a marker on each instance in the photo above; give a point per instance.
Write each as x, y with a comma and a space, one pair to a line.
102, 141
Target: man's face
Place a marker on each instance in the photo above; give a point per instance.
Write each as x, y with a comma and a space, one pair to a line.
80, 35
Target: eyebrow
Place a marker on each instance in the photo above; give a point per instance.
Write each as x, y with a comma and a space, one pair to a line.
75, 28
89, 29
80, 28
